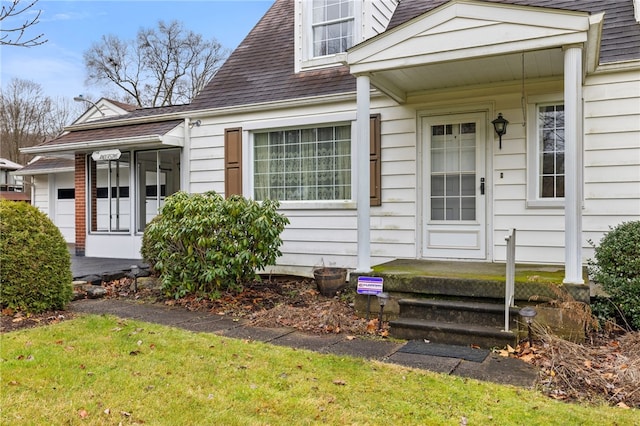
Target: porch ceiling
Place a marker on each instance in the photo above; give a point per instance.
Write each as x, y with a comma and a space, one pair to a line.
465, 43
468, 72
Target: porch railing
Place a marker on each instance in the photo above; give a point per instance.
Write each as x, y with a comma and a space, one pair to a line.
510, 276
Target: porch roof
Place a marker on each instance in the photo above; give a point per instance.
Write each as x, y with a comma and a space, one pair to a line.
124, 136
42, 165
467, 42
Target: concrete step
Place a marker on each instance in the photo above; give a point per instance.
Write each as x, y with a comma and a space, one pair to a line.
463, 334
456, 311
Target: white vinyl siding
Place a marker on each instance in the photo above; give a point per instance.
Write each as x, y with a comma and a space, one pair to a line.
611, 153
328, 236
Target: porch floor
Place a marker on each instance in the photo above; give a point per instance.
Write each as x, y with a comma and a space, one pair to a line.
550, 274
475, 279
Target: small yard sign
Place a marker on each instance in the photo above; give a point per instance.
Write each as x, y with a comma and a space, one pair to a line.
370, 285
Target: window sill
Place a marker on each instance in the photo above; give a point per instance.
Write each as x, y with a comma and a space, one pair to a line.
545, 204
318, 205
320, 62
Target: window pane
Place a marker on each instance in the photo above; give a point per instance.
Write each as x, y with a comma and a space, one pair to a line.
305, 164
452, 208
437, 208
551, 146
560, 186
437, 186
548, 187
333, 24
468, 208
453, 185
468, 185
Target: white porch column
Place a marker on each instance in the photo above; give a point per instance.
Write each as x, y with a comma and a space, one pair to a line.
573, 164
363, 173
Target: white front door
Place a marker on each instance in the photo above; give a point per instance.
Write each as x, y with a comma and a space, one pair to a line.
454, 186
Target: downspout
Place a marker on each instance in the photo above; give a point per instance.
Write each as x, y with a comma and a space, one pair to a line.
185, 157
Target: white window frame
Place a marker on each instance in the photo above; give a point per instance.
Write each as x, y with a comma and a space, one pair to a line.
338, 119
533, 152
305, 60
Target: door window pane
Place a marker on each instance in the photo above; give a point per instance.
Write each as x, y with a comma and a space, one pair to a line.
453, 174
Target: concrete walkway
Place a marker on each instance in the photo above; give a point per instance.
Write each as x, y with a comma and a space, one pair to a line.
459, 361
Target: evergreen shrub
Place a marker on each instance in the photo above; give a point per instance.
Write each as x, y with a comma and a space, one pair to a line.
204, 244
35, 265
616, 267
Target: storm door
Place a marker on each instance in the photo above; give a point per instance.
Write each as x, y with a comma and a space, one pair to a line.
454, 186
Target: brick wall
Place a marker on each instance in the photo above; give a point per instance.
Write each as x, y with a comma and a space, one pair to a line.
81, 207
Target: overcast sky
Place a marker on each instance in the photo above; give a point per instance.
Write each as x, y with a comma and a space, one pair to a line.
71, 27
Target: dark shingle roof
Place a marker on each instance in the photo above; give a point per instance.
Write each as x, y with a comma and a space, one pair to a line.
261, 69
47, 163
620, 31
116, 132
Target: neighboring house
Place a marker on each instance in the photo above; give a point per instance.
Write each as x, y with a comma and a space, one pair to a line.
371, 122
11, 186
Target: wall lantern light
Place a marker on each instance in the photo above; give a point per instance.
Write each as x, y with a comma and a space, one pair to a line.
500, 126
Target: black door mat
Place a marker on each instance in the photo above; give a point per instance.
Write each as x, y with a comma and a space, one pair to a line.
438, 349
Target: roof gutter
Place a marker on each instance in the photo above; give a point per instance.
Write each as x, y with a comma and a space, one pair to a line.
213, 112
106, 143
44, 171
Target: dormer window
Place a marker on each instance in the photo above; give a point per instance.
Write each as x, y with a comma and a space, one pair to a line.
333, 23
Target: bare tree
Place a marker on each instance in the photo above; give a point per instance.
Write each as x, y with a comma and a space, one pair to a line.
164, 66
12, 35
28, 117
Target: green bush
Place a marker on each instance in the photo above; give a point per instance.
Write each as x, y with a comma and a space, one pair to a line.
617, 268
35, 266
202, 243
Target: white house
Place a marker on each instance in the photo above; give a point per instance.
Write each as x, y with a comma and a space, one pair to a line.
372, 122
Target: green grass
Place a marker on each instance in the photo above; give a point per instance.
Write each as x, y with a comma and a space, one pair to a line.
134, 372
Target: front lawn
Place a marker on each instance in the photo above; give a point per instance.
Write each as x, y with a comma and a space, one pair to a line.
104, 370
